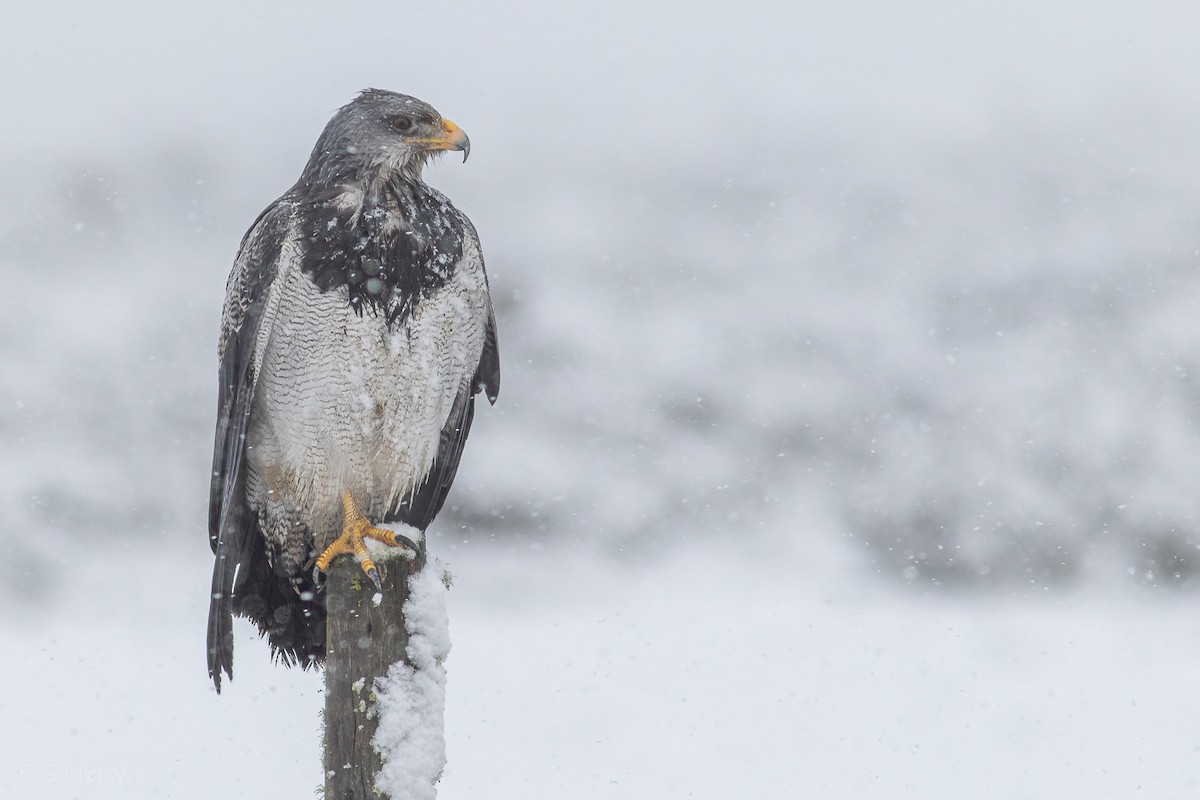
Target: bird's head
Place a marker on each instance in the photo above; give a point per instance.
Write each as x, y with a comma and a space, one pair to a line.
382, 131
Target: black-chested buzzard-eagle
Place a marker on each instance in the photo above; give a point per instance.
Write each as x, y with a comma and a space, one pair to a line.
357, 330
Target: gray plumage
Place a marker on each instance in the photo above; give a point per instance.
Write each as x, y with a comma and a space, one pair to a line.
356, 331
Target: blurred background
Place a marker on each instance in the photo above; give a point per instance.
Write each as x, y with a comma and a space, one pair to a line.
847, 443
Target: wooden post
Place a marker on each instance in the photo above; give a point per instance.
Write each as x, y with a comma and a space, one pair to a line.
362, 640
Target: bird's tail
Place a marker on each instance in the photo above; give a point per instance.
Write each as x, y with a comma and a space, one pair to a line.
289, 612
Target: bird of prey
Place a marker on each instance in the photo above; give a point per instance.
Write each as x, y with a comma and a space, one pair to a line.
357, 330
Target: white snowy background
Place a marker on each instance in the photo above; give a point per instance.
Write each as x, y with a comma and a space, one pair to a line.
848, 439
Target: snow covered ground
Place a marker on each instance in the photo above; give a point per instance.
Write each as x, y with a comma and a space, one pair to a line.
713, 675
847, 445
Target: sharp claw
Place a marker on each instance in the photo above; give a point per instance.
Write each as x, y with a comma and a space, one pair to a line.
356, 528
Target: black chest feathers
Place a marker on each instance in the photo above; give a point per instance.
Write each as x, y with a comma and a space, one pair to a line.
400, 245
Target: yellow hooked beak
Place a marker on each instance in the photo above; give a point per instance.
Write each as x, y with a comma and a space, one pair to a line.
451, 138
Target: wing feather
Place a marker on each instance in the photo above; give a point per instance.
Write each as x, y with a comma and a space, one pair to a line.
231, 524
487, 374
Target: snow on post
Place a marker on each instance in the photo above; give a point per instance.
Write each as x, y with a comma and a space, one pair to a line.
410, 736
384, 680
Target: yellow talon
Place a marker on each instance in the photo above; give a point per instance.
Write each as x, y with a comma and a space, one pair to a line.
355, 530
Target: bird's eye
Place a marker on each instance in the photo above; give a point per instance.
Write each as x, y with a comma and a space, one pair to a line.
401, 123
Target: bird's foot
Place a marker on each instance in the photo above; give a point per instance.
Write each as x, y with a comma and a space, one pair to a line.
356, 529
